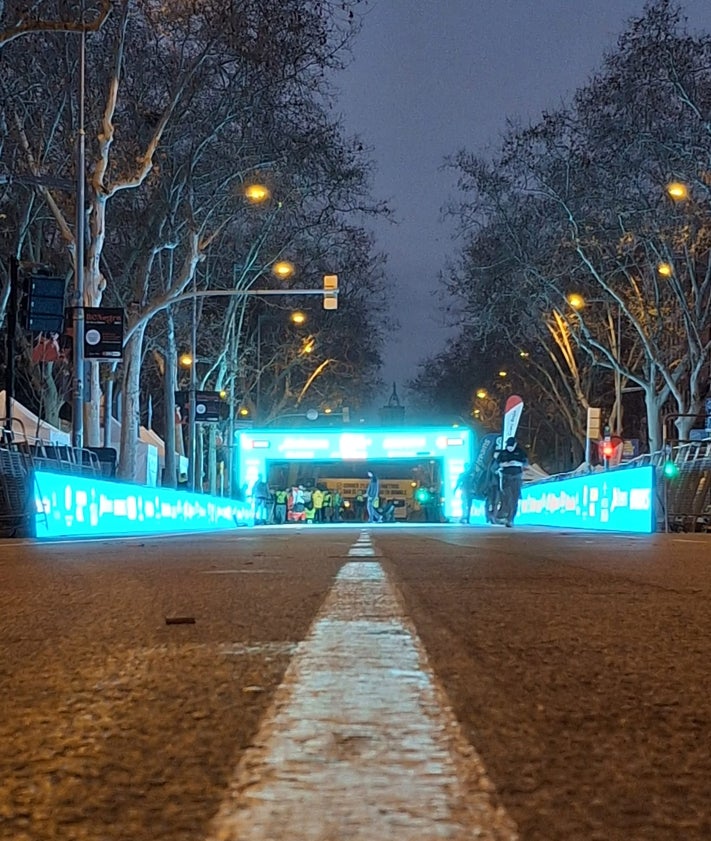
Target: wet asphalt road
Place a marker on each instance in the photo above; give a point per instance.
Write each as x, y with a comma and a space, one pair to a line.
134, 673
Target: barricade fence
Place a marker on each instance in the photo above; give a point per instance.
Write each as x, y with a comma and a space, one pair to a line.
20, 456
683, 484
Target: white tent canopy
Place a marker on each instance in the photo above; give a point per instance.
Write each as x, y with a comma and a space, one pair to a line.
28, 427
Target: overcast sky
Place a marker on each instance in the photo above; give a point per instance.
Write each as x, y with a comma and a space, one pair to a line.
430, 77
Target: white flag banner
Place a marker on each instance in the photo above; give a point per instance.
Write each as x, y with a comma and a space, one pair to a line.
512, 415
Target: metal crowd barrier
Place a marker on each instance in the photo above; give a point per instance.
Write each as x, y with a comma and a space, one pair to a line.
688, 492
20, 456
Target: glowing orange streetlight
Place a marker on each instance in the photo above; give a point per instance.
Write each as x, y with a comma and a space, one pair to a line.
482, 393
677, 191
186, 360
256, 193
503, 373
283, 269
298, 317
576, 300
665, 269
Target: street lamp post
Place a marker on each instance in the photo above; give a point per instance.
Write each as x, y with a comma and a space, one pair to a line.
192, 396
78, 319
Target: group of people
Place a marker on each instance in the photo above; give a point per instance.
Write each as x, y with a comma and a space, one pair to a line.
502, 486
295, 504
320, 504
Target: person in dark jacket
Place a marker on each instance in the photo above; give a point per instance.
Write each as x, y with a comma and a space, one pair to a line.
465, 486
491, 483
510, 463
372, 494
261, 497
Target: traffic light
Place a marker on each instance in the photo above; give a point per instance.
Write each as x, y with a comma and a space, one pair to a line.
608, 449
422, 495
330, 291
671, 470
42, 304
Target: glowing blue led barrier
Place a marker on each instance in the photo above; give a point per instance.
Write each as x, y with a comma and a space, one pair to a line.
616, 500
74, 506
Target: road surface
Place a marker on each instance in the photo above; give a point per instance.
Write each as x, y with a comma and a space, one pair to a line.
344, 683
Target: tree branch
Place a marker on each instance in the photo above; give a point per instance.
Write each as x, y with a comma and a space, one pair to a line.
32, 26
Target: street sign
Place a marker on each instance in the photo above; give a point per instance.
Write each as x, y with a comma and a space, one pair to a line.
103, 333
209, 406
43, 304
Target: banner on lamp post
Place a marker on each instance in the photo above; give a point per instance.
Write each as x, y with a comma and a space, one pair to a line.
103, 333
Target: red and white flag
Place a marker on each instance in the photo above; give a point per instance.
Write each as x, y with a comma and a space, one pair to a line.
512, 415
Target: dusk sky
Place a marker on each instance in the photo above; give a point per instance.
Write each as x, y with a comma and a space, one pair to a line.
430, 77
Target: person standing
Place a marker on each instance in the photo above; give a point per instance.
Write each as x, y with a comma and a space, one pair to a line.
372, 494
280, 497
298, 512
510, 463
327, 505
261, 498
492, 494
317, 502
359, 506
465, 486
337, 502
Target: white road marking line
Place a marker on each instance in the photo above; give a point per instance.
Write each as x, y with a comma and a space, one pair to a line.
237, 572
235, 649
360, 744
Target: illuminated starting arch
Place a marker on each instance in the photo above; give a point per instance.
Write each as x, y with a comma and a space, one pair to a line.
451, 446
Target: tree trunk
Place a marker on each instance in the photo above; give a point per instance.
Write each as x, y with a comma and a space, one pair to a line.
131, 408
653, 404
51, 400
212, 459
170, 379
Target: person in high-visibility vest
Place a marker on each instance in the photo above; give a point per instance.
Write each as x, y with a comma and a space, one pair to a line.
327, 506
317, 502
280, 497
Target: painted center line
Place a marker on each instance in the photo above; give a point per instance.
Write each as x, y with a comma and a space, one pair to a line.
360, 744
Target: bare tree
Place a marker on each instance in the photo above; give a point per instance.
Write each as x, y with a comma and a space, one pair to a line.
577, 204
20, 19
186, 105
